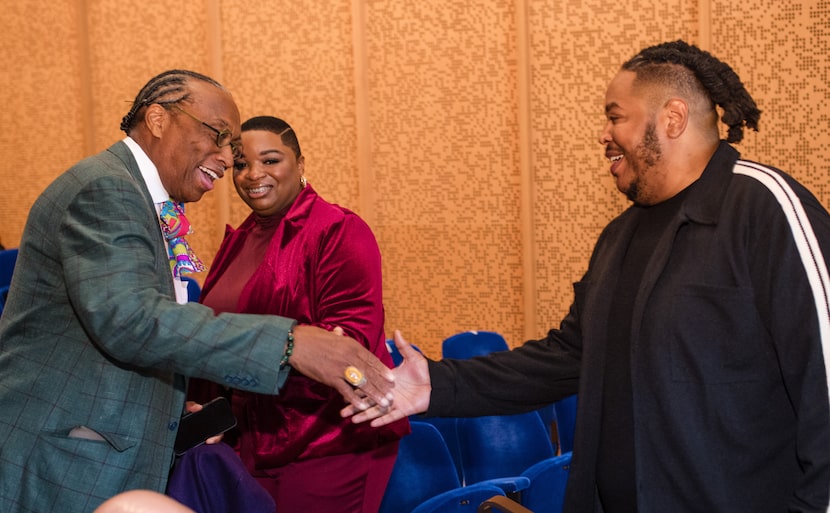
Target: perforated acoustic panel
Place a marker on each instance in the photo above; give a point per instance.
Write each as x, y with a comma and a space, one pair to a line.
437, 166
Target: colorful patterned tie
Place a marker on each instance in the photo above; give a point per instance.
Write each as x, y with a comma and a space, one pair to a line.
175, 226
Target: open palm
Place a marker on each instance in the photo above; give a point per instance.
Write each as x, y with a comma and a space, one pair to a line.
412, 389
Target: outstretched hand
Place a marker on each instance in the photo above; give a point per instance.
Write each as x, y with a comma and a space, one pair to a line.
412, 390
324, 356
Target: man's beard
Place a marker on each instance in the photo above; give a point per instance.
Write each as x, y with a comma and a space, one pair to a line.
648, 154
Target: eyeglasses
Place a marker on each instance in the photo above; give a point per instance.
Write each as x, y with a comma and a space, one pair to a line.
223, 137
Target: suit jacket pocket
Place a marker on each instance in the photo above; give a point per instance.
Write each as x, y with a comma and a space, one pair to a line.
62, 470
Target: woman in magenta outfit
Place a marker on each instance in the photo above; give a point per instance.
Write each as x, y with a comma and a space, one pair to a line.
299, 256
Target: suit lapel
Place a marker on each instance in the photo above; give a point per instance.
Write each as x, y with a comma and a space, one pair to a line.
123, 153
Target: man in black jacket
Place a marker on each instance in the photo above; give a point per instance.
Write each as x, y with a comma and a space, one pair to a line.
698, 340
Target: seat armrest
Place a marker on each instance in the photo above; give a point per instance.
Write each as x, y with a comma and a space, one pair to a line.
501, 504
513, 484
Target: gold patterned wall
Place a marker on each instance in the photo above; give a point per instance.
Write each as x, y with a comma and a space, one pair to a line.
465, 133
442, 109
576, 48
294, 60
41, 109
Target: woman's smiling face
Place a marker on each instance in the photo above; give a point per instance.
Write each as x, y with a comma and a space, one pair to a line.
267, 176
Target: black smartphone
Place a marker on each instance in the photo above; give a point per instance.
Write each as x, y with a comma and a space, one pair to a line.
213, 419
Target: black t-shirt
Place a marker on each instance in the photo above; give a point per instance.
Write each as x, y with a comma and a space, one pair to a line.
616, 479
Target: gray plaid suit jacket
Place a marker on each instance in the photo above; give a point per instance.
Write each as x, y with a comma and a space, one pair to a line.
91, 336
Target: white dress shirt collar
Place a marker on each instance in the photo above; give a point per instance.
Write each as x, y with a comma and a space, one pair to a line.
159, 194
148, 171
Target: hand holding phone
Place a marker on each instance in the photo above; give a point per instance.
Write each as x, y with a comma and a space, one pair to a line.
195, 428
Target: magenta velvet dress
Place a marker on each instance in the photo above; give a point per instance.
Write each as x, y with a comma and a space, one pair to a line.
318, 264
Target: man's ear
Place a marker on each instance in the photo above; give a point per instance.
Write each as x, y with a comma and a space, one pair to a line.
677, 117
156, 118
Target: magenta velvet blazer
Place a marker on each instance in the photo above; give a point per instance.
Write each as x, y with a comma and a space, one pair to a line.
323, 268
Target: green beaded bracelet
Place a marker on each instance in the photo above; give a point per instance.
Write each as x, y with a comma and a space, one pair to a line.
289, 349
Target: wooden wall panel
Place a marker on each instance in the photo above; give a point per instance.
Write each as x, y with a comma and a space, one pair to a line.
442, 111
577, 46
42, 126
294, 61
444, 124
781, 52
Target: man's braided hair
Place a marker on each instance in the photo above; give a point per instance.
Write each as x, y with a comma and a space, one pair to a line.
719, 82
167, 88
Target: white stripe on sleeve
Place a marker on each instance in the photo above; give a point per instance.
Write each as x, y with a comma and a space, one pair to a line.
808, 246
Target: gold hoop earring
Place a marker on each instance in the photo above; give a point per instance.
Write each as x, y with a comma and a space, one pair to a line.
303, 182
